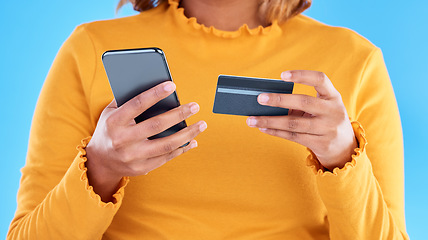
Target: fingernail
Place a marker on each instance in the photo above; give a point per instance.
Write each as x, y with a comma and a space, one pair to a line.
263, 98
263, 129
193, 144
251, 122
286, 75
202, 126
194, 108
170, 86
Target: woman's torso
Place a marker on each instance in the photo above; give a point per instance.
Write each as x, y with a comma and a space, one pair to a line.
239, 183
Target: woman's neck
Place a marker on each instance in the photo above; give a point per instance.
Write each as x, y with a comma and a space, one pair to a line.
227, 15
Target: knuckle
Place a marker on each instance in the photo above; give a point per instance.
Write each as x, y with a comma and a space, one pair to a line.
272, 132
128, 169
293, 123
155, 124
153, 150
293, 135
297, 73
324, 105
305, 101
263, 121
116, 143
156, 93
321, 77
278, 98
110, 121
139, 101
137, 169
119, 138
182, 114
127, 157
168, 147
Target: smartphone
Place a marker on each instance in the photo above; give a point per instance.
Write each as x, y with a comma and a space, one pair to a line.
133, 71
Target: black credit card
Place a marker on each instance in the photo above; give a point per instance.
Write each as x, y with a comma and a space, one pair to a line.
237, 95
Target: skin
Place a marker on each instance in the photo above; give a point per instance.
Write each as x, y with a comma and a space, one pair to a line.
227, 15
119, 147
320, 123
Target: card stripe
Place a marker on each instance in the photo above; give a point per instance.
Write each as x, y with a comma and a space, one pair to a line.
239, 91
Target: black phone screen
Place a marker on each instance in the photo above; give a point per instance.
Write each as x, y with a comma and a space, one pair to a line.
133, 71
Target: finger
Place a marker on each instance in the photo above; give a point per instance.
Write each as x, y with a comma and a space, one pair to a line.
140, 103
162, 121
161, 146
287, 123
305, 103
308, 140
319, 80
155, 162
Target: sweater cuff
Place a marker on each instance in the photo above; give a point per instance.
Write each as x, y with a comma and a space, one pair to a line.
81, 160
74, 200
319, 169
344, 186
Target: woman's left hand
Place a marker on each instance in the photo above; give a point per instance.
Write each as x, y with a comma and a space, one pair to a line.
320, 123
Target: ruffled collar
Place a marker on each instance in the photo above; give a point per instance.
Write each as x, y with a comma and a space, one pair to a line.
178, 13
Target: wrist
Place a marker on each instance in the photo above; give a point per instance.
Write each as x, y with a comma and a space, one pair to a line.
340, 163
103, 182
358, 145
343, 158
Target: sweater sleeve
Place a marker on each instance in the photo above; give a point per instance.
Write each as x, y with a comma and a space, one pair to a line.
365, 199
55, 200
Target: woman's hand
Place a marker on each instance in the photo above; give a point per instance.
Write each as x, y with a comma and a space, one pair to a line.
119, 147
320, 123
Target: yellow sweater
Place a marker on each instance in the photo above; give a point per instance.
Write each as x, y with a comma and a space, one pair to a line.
239, 183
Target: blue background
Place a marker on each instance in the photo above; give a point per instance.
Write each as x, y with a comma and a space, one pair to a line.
31, 32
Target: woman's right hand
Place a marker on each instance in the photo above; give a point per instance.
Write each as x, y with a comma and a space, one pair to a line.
119, 147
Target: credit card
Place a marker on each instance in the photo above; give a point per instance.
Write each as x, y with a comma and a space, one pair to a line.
236, 95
